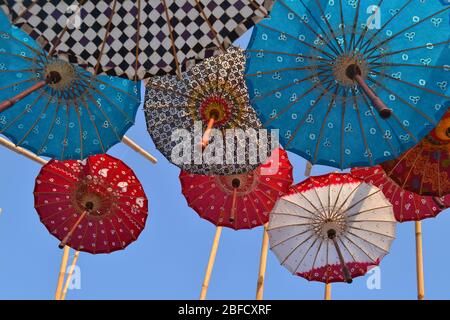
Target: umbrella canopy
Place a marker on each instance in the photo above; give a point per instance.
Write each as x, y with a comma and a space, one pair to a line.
351, 83
57, 109
136, 39
239, 201
96, 205
331, 228
408, 206
212, 94
425, 169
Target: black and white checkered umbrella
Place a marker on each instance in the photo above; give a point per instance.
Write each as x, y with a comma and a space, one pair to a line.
181, 114
136, 38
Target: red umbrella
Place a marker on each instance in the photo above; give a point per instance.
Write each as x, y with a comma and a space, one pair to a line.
241, 201
425, 169
408, 206
96, 205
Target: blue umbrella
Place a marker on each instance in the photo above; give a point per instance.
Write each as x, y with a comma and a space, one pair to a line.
351, 83
57, 109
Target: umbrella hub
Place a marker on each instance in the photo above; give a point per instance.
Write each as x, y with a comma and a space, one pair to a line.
328, 220
94, 202
243, 183
347, 67
59, 74
217, 108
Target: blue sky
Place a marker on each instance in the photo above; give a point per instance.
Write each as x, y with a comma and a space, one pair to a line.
169, 259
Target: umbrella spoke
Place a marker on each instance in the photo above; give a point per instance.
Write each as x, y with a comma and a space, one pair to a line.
372, 58
361, 126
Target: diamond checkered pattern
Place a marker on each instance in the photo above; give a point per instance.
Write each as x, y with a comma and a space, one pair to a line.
127, 52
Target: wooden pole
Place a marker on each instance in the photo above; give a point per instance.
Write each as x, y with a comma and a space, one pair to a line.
263, 264
419, 262
133, 145
328, 291
62, 272
72, 230
381, 107
69, 276
22, 151
212, 259
308, 169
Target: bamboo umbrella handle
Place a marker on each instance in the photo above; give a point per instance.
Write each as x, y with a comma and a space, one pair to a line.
263, 264
133, 145
212, 259
308, 169
22, 151
419, 262
62, 272
328, 291
69, 276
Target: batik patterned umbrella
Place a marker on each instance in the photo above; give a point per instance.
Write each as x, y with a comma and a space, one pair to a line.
408, 206
137, 38
239, 201
58, 109
211, 95
425, 169
95, 205
351, 83
331, 228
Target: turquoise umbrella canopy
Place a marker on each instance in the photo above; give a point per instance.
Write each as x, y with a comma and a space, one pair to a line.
351, 83
57, 109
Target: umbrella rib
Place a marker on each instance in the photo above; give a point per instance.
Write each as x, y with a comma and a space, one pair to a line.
55, 214
382, 55
298, 205
333, 34
357, 246
368, 210
19, 71
333, 212
344, 109
376, 246
402, 100
293, 103
361, 126
355, 24
361, 200
420, 65
373, 37
17, 84
24, 111
211, 27
107, 32
35, 122
290, 85
26, 9
32, 60
272, 71
37, 51
301, 123
348, 196
366, 28
412, 84
319, 212
80, 124
306, 254
288, 238
348, 250
315, 257
172, 38
83, 236
66, 132
290, 54
374, 48
86, 106
290, 225
254, 208
258, 7
319, 139
297, 39
295, 249
52, 125
97, 80
327, 41
291, 215
405, 181
374, 232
